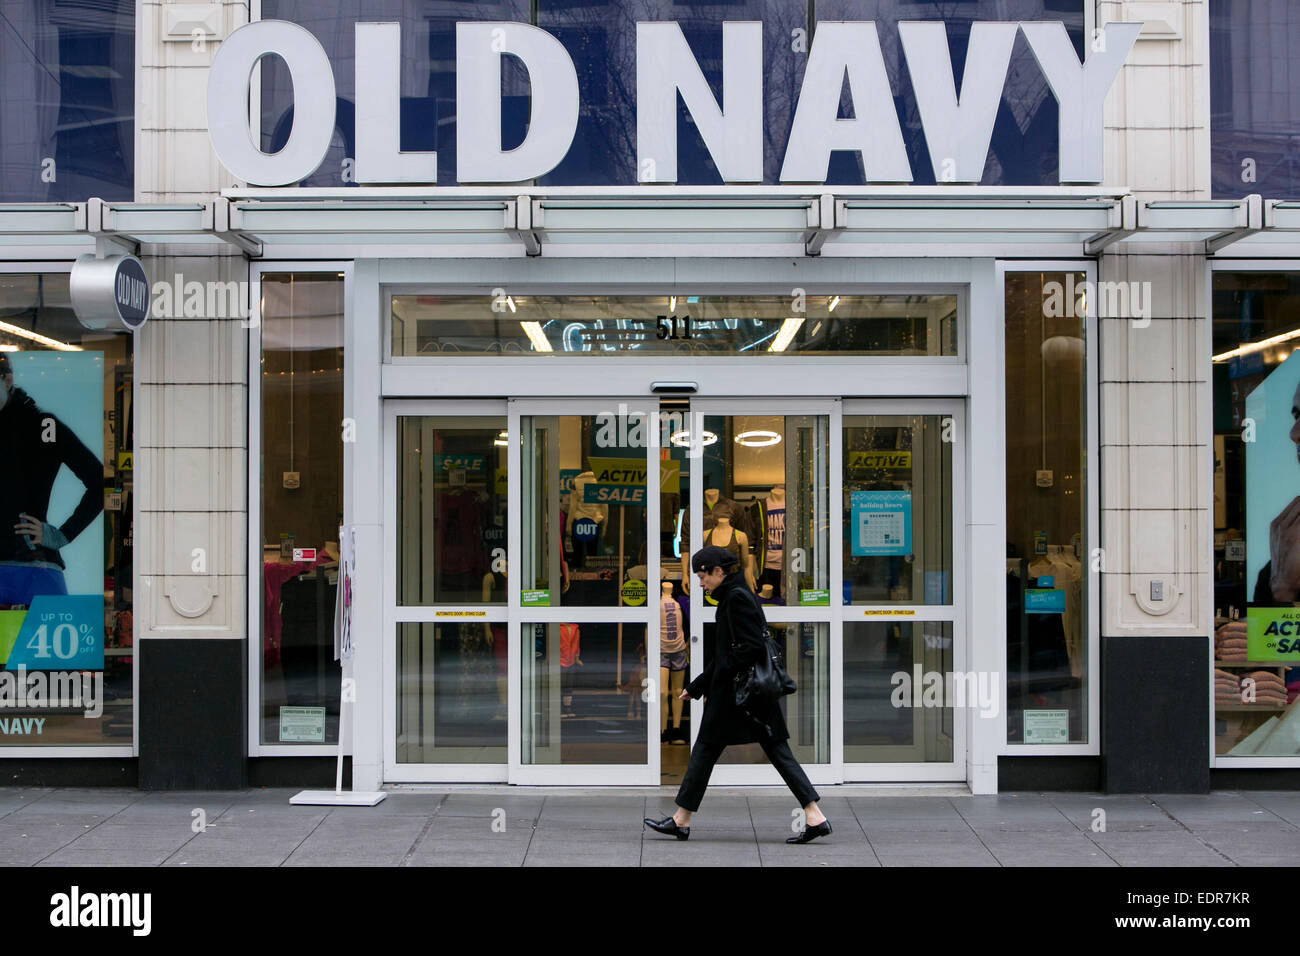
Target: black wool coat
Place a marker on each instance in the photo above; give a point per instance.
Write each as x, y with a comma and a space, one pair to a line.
740, 621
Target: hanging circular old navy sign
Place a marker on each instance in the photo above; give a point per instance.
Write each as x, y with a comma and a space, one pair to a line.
109, 293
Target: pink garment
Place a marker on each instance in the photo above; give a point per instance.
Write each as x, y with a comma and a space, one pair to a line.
274, 576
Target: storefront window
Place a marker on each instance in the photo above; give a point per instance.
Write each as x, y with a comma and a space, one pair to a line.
1254, 99
754, 325
1256, 668
1047, 630
302, 505
67, 100
66, 501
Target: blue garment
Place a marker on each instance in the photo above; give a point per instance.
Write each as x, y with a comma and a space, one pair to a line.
20, 582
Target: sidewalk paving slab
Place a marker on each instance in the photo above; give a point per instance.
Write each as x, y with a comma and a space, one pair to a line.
735, 827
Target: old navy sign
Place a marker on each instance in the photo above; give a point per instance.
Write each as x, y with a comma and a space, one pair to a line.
957, 117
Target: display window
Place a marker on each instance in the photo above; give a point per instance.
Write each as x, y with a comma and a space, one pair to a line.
67, 638
1256, 645
1047, 584
301, 507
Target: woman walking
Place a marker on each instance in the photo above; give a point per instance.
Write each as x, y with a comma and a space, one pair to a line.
738, 642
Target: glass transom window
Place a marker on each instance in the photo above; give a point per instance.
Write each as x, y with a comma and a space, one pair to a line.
829, 324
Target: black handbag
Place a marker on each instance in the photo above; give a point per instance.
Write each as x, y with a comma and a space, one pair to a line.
766, 680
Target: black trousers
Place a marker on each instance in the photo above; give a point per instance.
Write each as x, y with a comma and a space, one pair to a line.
705, 755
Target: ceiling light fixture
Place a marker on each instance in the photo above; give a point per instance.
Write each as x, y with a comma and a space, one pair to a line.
534, 332
37, 337
833, 303
682, 439
1257, 346
759, 438
784, 337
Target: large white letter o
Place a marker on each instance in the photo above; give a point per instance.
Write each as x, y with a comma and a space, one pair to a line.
229, 80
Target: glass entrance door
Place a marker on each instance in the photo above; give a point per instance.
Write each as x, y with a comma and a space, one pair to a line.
585, 630
542, 619
906, 692
760, 485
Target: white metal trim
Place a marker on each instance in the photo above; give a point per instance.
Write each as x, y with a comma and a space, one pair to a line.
72, 750
904, 772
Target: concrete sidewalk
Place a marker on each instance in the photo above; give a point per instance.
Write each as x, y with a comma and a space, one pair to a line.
736, 827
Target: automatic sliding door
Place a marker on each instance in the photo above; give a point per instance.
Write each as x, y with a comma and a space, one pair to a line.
580, 607
446, 597
903, 644
760, 480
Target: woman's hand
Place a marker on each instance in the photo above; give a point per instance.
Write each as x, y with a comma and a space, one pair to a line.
35, 530
39, 533
683, 696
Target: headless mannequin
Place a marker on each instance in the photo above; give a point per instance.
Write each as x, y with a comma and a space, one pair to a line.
774, 546
722, 532
677, 679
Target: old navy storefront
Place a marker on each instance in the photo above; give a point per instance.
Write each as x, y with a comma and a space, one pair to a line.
531, 301
551, 393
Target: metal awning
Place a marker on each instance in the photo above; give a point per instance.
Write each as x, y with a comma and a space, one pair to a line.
785, 221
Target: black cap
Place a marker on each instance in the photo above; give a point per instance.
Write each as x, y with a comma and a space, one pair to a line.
711, 556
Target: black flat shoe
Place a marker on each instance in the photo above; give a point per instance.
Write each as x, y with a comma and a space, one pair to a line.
811, 833
669, 825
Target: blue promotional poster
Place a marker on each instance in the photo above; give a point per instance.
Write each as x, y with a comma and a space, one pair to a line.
1271, 435
51, 534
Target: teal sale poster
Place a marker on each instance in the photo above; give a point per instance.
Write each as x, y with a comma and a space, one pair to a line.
880, 522
51, 510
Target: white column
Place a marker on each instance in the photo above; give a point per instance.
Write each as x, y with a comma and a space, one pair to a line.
986, 525
363, 507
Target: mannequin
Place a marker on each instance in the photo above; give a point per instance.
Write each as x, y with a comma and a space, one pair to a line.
580, 509
774, 546
673, 662
724, 536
